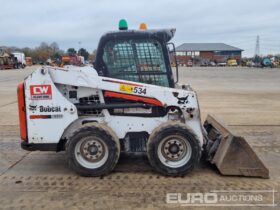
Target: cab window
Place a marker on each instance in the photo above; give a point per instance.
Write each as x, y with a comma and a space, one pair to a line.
136, 60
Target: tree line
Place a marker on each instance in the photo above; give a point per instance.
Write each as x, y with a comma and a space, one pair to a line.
52, 51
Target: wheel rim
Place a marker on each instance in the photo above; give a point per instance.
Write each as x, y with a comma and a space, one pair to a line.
174, 151
91, 152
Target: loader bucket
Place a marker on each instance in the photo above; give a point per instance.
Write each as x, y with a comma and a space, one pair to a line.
231, 154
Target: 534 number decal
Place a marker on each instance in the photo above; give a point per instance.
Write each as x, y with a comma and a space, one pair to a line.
140, 90
133, 89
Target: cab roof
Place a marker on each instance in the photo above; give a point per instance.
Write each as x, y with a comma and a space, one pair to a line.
164, 35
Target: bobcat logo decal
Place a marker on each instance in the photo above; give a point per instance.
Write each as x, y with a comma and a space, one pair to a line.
32, 108
183, 100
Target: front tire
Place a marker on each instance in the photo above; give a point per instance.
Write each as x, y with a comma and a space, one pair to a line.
173, 149
93, 150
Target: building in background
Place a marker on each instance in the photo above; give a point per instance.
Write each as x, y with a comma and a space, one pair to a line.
200, 53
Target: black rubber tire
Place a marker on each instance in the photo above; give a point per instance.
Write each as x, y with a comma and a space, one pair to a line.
173, 128
109, 138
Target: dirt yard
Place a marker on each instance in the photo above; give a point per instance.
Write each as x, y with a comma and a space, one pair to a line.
248, 100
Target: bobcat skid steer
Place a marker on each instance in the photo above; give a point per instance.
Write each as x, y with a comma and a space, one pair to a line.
129, 102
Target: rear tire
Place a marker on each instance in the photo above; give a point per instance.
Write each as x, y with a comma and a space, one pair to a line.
173, 149
93, 150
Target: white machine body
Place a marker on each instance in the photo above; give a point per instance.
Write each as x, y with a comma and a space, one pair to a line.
52, 115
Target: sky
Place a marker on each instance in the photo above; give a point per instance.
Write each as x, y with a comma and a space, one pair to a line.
27, 23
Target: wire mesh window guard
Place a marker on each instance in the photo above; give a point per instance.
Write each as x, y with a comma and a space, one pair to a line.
136, 60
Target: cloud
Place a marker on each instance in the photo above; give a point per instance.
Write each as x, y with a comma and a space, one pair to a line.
28, 23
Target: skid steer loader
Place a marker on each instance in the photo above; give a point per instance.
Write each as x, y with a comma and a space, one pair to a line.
129, 102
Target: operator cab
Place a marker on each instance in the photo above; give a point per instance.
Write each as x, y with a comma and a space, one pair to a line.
136, 55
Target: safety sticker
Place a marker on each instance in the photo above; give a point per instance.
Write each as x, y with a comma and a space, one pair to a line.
126, 88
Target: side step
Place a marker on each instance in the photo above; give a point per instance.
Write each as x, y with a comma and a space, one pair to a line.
231, 154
